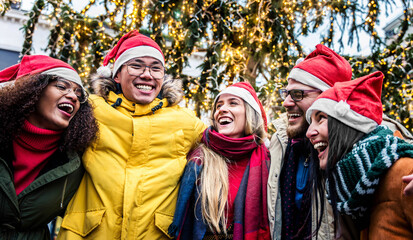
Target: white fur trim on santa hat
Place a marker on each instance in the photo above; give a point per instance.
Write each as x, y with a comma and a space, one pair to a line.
343, 113
307, 78
241, 93
65, 73
140, 51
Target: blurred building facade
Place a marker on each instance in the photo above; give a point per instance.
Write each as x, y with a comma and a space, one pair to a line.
12, 37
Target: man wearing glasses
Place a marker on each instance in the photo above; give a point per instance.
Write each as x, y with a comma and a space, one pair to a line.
292, 184
132, 174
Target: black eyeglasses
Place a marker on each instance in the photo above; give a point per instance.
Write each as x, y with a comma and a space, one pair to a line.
296, 94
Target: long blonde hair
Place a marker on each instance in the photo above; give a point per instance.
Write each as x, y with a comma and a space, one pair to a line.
214, 176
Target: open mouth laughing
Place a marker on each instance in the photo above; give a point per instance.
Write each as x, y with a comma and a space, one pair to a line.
225, 121
294, 115
66, 107
144, 87
321, 148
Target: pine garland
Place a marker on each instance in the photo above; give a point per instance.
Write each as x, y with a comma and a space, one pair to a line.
30, 26
243, 41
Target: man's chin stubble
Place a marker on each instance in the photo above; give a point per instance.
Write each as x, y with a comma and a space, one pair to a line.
297, 132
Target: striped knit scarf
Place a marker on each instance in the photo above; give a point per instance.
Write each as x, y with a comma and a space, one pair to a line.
357, 175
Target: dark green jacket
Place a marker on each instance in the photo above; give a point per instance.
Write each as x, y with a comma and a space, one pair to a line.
26, 216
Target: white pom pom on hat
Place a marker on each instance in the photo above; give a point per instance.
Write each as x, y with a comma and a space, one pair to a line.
104, 71
341, 108
299, 60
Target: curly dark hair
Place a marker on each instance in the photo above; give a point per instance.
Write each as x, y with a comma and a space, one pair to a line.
18, 100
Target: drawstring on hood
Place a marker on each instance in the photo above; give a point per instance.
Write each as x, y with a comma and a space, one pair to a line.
157, 107
117, 103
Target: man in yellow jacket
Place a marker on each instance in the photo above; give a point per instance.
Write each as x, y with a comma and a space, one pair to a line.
132, 174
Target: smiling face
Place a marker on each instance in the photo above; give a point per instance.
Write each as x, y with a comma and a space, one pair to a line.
229, 116
297, 125
54, 110
141, 89
318, 134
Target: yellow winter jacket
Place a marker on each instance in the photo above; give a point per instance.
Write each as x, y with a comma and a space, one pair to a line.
132, 174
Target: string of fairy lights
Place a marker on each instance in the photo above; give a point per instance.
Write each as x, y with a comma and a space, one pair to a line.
251, 40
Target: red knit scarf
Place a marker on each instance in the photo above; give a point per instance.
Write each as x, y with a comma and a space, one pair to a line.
250, 219
31, 150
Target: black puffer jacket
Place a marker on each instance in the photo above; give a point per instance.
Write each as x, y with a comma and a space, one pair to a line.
26, 216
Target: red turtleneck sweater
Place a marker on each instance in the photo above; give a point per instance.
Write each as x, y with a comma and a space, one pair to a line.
235, 173
31, 150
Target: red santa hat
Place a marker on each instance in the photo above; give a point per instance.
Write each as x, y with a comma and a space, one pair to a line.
32, 64
131, 45
321, 69
356, 103
246, 92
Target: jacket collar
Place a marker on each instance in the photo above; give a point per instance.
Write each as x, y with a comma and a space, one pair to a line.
74, 162
280, 124
136, 109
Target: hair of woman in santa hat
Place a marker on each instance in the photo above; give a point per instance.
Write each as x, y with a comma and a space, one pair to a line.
355, 103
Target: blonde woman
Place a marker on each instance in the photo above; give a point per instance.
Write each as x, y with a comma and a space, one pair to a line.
223, 189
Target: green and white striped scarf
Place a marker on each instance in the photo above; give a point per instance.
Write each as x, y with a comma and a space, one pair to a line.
357, 175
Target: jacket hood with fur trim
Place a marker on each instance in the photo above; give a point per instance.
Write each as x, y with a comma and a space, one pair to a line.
171, 88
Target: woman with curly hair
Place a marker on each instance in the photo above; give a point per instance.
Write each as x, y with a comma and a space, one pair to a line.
223, 193
45, 124
363, 161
